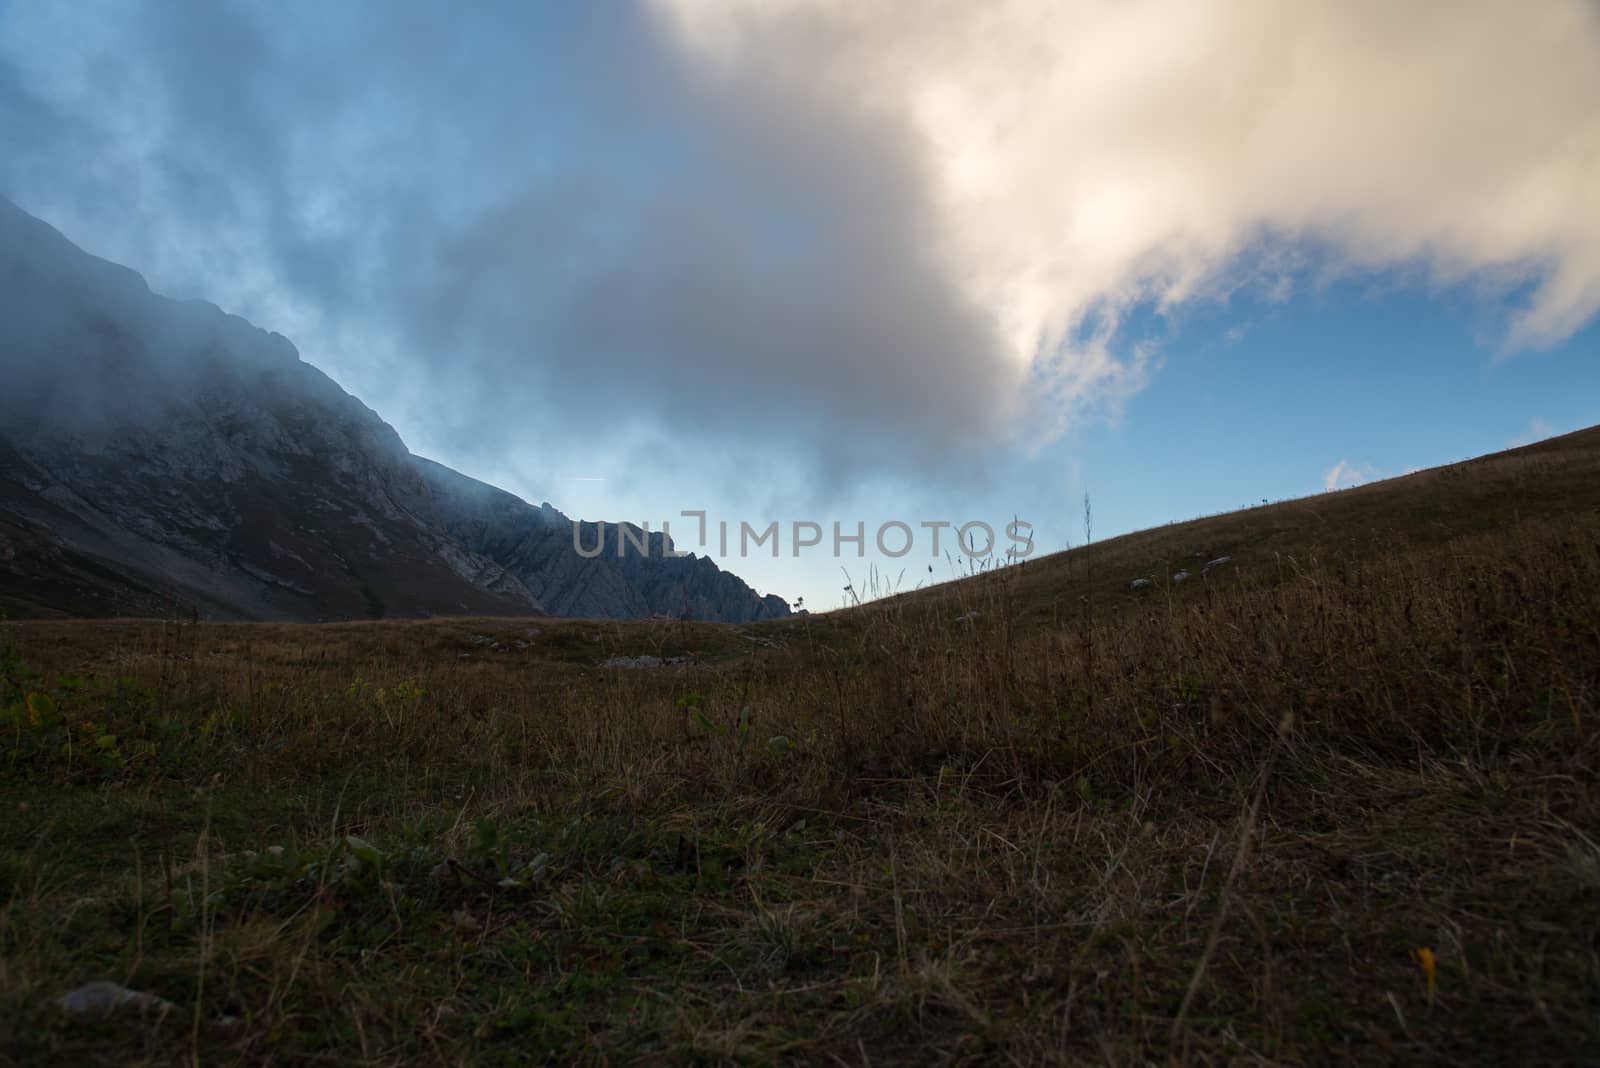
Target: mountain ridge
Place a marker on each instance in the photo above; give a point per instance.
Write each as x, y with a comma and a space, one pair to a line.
160, 455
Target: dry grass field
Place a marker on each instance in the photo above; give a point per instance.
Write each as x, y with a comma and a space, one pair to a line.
1333, 801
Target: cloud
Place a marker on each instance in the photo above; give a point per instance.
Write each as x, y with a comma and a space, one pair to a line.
874, 235
1345, 474
1537, 430
1090, 155
542, 223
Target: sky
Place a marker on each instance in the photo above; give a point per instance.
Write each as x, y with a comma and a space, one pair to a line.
856, 262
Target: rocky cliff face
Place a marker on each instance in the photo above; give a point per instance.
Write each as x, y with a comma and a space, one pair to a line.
157, 453
541, 549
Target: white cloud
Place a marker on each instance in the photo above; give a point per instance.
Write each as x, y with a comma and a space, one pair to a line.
1537, 430
1086, 155
1345, 474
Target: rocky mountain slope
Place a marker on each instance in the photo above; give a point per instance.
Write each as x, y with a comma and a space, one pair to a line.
158, 455
610, 578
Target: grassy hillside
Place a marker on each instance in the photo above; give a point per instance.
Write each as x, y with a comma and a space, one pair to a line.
1334, 799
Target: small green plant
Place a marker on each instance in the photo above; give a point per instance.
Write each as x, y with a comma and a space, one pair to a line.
740, 732
491, 846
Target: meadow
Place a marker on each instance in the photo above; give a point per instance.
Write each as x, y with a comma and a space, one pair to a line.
1333, 800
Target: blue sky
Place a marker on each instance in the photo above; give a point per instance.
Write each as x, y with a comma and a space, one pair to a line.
1384, 378
817, 260
1252, 400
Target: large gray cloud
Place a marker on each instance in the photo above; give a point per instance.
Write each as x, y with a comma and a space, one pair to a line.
539, 218
875, 233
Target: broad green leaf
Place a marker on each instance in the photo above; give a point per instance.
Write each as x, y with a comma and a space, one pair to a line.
42, 710
364, 851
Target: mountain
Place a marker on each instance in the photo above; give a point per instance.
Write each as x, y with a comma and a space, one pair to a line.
610, 579
161, 455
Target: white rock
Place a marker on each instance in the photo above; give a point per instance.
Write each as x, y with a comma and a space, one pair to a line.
645, 661
1139, 584
100, 998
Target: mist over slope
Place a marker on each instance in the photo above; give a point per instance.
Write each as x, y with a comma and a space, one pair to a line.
159, 455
